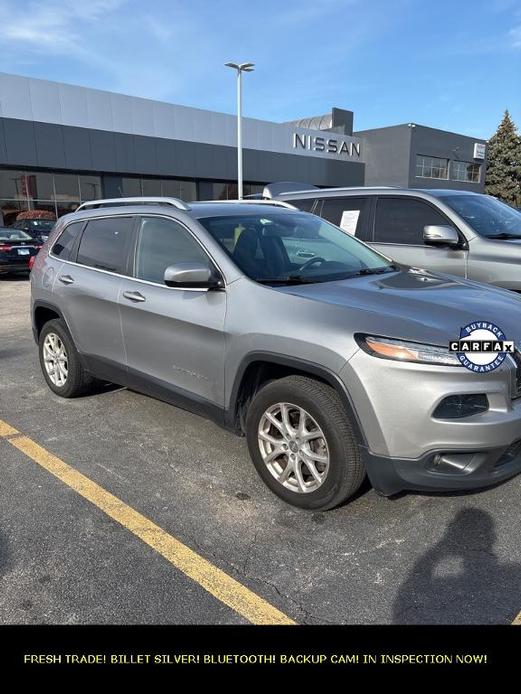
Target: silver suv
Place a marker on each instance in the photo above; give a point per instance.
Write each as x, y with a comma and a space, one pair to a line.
333, 361
467, 234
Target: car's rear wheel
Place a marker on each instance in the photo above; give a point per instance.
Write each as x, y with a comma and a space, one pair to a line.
302, 443
60, 362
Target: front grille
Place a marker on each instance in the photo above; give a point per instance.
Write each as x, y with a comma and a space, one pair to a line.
517, 382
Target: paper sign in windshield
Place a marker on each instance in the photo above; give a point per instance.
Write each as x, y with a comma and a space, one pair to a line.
349, 221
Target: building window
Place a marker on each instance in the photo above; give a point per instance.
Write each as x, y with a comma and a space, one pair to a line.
465, 171
431, 167
90, 188
175, 188
130, 188
230, 191
22, 191
151, 187
66, 187
155, 187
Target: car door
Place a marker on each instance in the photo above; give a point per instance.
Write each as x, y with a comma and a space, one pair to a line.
350, 213
398, 233
174, 337
87, 284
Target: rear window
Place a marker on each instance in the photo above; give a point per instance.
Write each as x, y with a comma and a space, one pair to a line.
65, 244
105, 242
13, 235
36, 224
349, 213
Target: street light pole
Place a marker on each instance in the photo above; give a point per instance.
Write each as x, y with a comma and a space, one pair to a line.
240, 68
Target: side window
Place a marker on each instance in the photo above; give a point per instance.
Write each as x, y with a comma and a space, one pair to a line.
105, 242
161, 243
350, 214
304, 204
401, 220
66, 241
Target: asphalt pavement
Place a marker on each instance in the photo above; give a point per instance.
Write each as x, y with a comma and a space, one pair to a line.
447, 558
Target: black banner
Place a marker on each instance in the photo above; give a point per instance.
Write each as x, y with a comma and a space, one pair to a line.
303, 650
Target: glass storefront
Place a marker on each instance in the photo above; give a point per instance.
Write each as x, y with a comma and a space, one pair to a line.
188, 190
228, 191
166, 187
54, 193
60, 193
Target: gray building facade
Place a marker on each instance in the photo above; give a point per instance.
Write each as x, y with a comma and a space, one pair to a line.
416, 156
63, 144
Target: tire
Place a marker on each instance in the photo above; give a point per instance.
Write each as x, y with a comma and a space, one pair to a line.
77, 381
340, 472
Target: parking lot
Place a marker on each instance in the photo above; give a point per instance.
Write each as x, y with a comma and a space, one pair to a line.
195, 537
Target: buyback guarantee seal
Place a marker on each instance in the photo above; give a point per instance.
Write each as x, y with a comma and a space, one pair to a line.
482, 346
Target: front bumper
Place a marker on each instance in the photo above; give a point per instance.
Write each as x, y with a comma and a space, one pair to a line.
441, 471
406, 447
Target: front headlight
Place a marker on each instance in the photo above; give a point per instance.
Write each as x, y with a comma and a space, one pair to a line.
400, 350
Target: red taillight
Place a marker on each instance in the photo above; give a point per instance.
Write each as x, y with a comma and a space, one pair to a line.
31, 261
4, 247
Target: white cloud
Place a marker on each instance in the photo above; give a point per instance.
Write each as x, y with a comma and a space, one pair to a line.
51, 26
515, 36
120, 45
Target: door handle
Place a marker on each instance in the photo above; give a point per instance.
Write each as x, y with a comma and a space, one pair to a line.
134, 296
66, 279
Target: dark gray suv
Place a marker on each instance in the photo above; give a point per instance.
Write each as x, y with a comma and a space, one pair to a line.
331, 359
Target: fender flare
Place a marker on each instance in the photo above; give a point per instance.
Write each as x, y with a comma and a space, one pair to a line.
304, 366
39, 303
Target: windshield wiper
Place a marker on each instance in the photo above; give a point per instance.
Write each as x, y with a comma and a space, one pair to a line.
310, 279
290, 279
375, 270
505, 235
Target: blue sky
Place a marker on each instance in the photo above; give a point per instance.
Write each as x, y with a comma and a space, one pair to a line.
453, 64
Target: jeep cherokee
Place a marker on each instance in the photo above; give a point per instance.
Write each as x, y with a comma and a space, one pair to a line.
331, 359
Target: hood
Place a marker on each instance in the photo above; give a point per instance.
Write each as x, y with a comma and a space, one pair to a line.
416, 304
509, 249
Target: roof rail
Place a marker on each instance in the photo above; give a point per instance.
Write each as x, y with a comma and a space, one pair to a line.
272, 190
274, 203
117, 202
337, 189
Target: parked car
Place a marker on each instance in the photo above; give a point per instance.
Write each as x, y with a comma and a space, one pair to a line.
467, 234
334, 365
16, 250
39, 229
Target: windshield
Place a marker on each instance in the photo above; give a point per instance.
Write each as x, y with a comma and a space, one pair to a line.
486, 215
278, 247
14, 235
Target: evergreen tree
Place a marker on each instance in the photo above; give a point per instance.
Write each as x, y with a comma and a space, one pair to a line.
503, 175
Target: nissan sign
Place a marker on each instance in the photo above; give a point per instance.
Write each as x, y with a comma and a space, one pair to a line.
331, 145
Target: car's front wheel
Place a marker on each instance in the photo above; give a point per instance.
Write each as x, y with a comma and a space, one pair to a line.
302, 443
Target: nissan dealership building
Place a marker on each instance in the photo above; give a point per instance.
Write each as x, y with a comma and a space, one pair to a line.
62, 144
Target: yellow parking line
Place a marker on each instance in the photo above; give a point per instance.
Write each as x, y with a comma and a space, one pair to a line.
517, 620
223, 587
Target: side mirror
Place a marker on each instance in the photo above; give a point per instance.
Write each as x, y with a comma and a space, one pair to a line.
192, 275
440, 235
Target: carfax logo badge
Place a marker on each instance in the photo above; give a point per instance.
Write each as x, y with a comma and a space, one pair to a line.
482, 347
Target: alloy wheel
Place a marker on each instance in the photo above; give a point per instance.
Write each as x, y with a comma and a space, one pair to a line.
293, 447
55, 359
